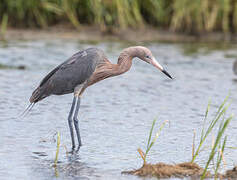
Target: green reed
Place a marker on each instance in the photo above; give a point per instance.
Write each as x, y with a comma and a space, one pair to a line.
218, 147
4, 25
57, 151
178, 15
151, 141
220, 114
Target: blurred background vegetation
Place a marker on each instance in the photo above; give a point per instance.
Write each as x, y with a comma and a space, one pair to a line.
176, 15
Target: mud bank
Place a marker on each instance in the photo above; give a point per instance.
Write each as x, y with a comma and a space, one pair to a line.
182, 170
231, 174
92, 33
162, 170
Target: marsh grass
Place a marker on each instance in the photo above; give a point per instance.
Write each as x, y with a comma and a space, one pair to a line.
4, 25
56, 155
218, 147
220, 114
57, 150
163, 170
191, 169
179, 15
220, 157
218, 144
151, 141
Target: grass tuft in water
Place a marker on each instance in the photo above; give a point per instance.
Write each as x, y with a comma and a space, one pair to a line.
220, 157
191, 169
204, 133
149, 142
218, 147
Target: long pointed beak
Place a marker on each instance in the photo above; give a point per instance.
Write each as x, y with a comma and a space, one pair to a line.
158, 66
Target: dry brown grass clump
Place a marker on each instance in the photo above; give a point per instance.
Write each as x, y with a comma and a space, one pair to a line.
162, 170
231, 174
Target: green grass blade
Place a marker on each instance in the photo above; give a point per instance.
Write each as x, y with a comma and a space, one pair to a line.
150, 134
230, 147
156, 136
57, 151
205, 118
149, 143
223, 103
4, 24
219, 158
217, 141
52, 7
220, 112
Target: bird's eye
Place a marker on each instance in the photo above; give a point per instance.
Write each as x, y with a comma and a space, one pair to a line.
148, 57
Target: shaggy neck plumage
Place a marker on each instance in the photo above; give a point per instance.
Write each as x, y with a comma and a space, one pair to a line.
107, 69
125, 59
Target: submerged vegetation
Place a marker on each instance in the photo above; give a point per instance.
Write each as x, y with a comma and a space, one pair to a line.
191, 169
177, 15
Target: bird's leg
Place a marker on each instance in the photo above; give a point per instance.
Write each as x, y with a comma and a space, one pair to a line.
70, 121
75, 119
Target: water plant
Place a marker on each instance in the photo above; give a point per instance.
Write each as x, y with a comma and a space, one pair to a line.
149, 142
218, 145
163, 170
4, 25
179, 15
218, 148
57, 150
191, 169
220, 114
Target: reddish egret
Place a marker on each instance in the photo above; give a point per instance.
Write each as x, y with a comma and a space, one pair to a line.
84, 69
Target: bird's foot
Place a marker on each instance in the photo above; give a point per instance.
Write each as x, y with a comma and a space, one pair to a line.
75, 150
72, 150
78, 148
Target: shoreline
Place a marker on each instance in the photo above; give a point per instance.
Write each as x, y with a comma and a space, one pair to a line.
91, 33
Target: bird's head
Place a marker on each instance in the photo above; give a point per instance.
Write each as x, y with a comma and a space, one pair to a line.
145, 54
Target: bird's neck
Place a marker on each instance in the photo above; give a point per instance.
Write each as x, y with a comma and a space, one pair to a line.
125, 60
107, 69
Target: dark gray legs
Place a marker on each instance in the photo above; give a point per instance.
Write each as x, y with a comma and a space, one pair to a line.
70, 121
76, 122
76, 101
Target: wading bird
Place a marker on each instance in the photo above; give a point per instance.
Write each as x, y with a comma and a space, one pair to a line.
84, 69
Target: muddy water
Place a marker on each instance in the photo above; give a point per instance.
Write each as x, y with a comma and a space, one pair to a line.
115, 115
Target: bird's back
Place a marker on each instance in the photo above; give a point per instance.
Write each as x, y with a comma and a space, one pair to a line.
71, 73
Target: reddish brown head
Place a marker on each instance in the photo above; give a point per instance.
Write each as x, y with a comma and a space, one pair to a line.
145, 54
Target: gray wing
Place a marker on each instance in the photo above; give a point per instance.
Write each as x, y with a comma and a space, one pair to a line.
76, 70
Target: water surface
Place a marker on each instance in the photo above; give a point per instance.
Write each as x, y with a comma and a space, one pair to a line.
115, 115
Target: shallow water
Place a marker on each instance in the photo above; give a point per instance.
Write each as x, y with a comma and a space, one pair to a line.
116, 114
